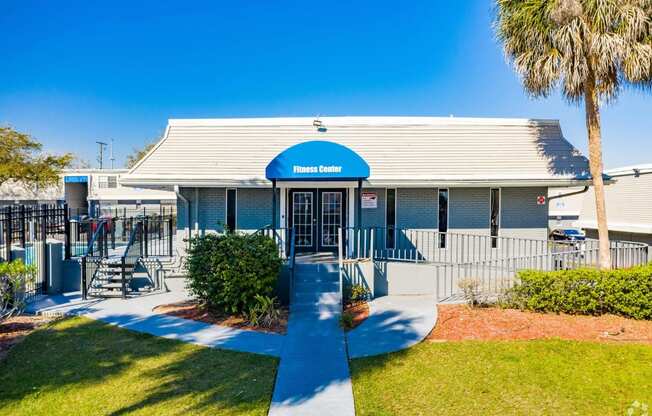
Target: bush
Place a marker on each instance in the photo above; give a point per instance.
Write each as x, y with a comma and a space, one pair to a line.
228, 271
14, 276
355, 293
471, 291
346, 320
626, 292
265, 313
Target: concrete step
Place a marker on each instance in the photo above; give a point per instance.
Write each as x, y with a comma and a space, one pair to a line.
316, 278
316, 308
111, 286
326, 298
316, 287
105, 294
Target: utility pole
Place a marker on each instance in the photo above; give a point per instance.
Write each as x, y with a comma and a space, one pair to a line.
100, 156
111, 158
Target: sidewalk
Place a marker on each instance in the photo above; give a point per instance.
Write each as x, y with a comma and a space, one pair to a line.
137, 314
313, 376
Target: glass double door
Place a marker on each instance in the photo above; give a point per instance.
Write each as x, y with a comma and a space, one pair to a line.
316, 215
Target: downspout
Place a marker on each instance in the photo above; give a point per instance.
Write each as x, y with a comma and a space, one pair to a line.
586, 188
185, 201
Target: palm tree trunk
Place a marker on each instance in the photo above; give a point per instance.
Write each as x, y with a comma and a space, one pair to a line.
595, 165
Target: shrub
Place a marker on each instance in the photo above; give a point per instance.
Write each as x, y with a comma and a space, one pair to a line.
265, 312
346, 320
14, 276
470, 290
355, 293
228, 271
626, 292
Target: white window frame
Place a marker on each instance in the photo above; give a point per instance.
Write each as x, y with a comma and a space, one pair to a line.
313, 231
320, 195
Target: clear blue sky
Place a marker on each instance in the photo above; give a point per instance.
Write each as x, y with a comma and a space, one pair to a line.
72, 72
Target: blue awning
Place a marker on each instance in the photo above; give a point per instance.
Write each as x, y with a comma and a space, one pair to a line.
75, 179
317, 160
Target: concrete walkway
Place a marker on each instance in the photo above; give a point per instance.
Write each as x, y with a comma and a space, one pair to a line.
136, 314
313, 376
394, 323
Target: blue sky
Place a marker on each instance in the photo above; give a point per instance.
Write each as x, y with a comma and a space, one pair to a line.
75, 72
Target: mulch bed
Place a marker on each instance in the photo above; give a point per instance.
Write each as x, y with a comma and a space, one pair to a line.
360, 312
459, 322
16, 328
196, 312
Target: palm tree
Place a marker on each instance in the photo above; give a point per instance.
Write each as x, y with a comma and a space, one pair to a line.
591, 49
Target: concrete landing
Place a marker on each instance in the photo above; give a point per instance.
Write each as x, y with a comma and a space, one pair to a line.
313, 376
394, 323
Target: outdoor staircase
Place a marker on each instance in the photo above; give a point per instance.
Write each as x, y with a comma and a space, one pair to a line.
107, 279
317, 289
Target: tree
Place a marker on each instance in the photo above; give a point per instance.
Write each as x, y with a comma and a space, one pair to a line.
137, 154
21, 160
79, 162
589, 48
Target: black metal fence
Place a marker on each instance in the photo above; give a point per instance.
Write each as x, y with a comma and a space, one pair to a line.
27, 231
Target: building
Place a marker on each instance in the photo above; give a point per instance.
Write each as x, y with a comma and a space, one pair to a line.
565, 207
475, 176
100, 191
629, 205
14, 193
90, 190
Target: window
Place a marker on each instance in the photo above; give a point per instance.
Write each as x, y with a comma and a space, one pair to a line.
443, 216
107, 182
495, 216
390, 215
231, 205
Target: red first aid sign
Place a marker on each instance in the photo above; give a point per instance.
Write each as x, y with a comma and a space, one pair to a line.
541, 200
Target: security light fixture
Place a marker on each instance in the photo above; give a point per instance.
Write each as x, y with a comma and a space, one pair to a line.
318, 125
637, 172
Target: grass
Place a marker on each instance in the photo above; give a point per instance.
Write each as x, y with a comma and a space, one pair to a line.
83, 367
551, 377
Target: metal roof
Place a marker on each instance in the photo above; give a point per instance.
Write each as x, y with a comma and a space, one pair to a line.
406, 151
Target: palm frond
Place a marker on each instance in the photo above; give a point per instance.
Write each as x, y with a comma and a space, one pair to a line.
561, 42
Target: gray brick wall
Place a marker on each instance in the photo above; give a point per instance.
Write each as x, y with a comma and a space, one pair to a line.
210, 212
212, 209
468, 209
519, 208
255, 208
417, 208
373, 217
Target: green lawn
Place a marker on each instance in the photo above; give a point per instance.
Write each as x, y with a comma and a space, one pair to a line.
83, 367
504, 378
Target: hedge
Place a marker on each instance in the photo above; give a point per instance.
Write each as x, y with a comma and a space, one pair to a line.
228, 271
625, 292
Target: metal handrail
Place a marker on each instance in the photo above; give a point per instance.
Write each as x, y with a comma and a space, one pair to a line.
133, 239
340, 263
432, 246
292, 264
99, 233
